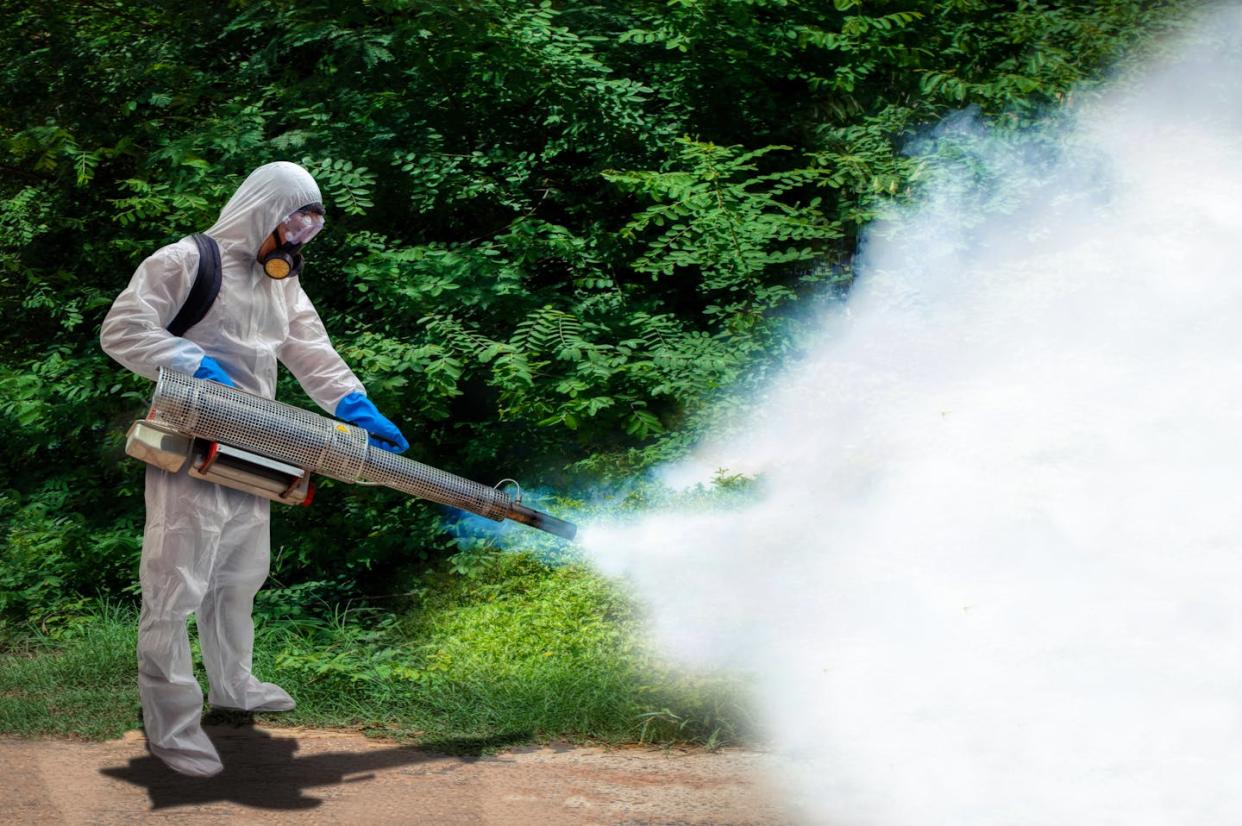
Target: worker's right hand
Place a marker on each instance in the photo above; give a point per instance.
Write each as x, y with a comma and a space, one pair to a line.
211, 370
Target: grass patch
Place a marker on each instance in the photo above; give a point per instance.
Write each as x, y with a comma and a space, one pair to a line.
516, 652
80, 683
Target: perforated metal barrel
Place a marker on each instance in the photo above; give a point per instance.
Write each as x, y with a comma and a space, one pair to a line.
322, 445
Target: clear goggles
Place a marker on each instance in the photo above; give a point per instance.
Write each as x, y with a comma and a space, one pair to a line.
301, 226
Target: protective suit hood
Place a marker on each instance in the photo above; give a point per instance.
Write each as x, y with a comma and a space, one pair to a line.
263, 200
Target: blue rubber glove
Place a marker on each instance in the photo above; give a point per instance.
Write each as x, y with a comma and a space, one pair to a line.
358, 410
211, 370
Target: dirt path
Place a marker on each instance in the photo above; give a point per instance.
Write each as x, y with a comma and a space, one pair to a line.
290, 775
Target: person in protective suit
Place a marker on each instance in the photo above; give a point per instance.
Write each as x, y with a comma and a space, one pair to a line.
205, 548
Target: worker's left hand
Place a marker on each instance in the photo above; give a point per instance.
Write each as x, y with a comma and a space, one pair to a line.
358, 410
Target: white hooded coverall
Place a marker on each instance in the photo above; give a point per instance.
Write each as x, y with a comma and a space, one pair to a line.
205, 548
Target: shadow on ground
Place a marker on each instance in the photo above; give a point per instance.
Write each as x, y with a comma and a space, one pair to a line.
261, 770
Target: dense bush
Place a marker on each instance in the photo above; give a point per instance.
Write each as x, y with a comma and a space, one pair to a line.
554, 230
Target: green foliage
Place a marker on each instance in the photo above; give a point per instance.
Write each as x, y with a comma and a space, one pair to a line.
728, 227
349, 186
510, 647
73, 677
521, 651
555, 231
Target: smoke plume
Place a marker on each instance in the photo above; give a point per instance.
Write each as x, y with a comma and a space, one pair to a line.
993, 569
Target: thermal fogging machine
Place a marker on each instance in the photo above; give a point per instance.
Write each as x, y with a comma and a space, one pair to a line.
270, 449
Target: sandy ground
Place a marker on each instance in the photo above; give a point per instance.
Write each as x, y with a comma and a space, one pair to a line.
291, 775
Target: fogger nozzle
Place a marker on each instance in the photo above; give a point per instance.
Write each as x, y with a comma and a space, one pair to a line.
542, 521
211, 411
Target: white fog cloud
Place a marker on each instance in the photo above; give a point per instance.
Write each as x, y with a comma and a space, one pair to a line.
994, 574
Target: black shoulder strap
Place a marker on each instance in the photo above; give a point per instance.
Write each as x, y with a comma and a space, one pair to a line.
206, 286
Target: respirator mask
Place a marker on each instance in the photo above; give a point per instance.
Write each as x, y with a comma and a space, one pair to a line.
285, 260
